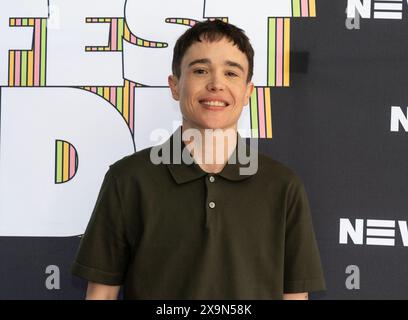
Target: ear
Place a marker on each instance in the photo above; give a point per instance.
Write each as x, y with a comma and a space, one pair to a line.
173, 84
248, 92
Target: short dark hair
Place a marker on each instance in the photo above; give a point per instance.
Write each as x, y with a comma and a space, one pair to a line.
212, 30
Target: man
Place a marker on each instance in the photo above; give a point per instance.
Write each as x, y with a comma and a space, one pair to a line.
202, 229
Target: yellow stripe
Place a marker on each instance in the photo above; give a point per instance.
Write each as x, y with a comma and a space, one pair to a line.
127, 32
126, 101
30, 66
286, 52
312, 8
12, 22
268, 112
11, 68
65, 166
106, 93
31, 22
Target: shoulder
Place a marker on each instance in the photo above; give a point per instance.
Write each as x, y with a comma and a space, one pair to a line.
131, 165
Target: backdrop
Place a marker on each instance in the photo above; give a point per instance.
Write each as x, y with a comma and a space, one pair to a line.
84, 83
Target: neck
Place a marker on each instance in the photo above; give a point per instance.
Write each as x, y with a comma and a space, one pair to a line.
210, 148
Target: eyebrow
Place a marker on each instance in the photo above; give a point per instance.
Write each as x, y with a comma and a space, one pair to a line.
234, 64
207, 61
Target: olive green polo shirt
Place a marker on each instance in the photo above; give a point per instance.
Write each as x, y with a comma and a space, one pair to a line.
173, 231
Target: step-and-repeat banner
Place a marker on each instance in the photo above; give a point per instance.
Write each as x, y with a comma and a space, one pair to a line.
84, 83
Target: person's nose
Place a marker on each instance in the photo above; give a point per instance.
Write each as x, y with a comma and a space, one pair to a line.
215, 83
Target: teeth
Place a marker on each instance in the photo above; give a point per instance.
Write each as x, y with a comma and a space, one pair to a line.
214, 103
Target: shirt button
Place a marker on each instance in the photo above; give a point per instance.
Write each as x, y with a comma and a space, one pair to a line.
212, 204
211, 178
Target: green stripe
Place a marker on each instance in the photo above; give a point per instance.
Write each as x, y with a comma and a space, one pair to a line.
43, 48
24, 22
23, 71
296, 8
99, 90
59, 161
179, 20
272, 52
120, 34
119, 99
139, 42
254, 113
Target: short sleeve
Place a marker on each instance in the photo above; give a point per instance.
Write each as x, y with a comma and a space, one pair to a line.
103, 252
302, 266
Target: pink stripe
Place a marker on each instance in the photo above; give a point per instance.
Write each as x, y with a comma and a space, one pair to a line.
279, 52
37, 47
305, 8
261, 113
153, 44
132, 38
173, 20
18, 22
71, 162
17, 65
114, 31
131, 105
113, 95
93, 89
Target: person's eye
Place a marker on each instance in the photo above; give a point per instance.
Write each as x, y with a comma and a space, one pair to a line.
199, 71
231, 74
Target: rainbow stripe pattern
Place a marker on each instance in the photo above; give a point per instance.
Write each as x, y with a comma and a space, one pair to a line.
182, 21
27, 67
66, 161
278, 52
261, 112
119, 30
279, 43
122, 98
190, 22
303, 8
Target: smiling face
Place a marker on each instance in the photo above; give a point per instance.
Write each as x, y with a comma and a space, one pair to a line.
212, 88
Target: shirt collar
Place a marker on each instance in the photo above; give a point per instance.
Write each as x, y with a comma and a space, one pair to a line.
185, 172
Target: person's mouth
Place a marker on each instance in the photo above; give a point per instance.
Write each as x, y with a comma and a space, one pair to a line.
214, 104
